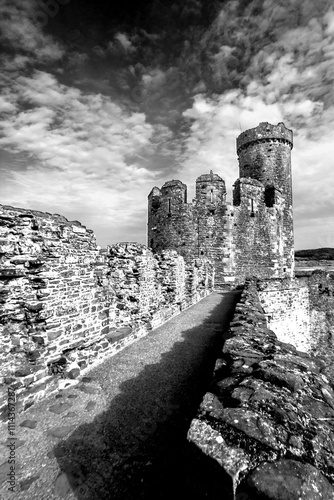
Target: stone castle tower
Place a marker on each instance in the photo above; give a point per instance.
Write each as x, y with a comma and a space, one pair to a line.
251, 236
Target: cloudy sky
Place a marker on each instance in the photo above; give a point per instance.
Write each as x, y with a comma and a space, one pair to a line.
100, 101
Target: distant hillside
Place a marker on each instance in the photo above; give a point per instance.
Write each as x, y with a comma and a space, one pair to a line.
315, 254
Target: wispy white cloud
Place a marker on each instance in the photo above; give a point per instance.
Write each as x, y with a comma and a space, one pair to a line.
81, 142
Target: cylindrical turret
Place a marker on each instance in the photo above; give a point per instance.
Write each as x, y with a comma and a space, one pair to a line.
265, 154
170, 219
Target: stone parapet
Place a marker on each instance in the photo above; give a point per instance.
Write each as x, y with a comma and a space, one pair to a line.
65, 305
269, 413
265, 131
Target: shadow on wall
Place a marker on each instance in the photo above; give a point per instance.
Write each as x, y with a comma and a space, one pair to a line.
138, 449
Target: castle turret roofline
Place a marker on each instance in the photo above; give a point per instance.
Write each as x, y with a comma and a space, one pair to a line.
209, 177
174, 182
265, 131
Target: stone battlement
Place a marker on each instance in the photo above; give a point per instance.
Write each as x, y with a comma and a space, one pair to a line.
256, 235
173, 183
265, 132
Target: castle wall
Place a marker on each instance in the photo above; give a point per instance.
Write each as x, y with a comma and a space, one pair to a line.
214, 240
321, 315
50, 301
255, 236
257, 232
66, 306
201, 229
264, 428
301, 312
287, 308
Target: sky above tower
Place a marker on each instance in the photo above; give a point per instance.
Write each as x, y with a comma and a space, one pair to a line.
101, 101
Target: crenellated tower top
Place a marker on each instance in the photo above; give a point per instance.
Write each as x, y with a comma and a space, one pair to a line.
265, 132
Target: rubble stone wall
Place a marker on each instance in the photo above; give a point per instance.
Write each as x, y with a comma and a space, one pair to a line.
64, 305
320, 284
287, 308
265, 427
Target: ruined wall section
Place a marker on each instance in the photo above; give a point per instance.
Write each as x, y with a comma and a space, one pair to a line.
287, 308
301, 312
264, 428
66, 306
148, 289
50, 301
200, 279
321, 315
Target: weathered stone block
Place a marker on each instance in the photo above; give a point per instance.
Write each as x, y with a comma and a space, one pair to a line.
23, 372
54, 335
286, 480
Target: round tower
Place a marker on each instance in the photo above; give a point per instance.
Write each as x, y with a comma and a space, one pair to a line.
170, 219
210, 189
264, 154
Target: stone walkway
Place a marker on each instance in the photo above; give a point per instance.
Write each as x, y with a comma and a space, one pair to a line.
120, 432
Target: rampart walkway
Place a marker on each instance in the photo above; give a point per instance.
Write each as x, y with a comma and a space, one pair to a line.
121, 432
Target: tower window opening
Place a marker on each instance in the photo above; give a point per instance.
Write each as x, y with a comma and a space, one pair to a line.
252, 208
269, 196
169, 206
211, 195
